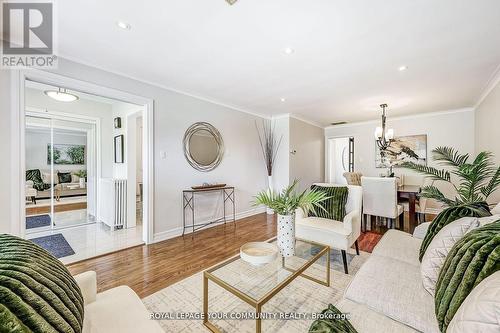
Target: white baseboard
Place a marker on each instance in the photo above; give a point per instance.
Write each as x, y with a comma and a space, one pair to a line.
164, 235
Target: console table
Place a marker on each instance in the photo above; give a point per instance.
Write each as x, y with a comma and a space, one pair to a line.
188, 200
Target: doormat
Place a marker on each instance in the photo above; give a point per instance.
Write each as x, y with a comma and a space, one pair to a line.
56, 244
37, 221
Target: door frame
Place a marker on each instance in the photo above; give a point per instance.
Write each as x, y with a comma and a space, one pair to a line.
95, 148
18, 142
327, 152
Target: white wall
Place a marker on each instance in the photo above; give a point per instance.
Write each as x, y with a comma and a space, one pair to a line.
36, 149
487, 131
281, 170
454, 129
242, 165
7, 169
307, 163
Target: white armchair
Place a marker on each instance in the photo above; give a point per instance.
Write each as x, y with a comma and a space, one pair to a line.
30, 192
336, 234
115, 310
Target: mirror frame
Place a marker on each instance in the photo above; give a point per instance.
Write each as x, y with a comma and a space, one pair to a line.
218, 139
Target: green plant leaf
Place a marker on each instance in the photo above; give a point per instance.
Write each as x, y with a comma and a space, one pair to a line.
449, 156
431, 172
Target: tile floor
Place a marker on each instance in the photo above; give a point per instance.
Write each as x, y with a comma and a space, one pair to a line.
94, 239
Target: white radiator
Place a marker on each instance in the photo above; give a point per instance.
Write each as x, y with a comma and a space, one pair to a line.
113, 202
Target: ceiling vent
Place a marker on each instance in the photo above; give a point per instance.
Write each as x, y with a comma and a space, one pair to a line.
339, 123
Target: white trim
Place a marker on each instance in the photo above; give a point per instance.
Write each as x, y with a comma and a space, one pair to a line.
158, 85
18, 124
490, 85
176, 232
294, 116
413, 116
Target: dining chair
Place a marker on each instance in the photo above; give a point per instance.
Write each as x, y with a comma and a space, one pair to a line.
380, 199
421, 204
353, 178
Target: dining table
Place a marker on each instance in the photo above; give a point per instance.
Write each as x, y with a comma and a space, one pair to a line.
410, 192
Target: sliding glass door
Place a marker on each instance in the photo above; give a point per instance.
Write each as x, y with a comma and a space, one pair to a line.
60, 172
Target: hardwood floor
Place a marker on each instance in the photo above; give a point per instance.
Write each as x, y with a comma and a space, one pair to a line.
34, 210
149, 268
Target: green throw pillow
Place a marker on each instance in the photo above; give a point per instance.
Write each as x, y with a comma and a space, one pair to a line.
334, 206
36, 177
472, 259
479, 209
37, 292
332, 323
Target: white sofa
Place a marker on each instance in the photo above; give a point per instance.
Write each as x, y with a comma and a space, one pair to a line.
115, 310
386, 294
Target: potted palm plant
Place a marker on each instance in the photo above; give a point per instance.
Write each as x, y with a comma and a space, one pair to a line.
285, 203
475, 181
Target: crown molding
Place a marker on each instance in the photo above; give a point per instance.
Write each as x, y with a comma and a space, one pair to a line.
161, 86
302, 119
413, 116
490, 85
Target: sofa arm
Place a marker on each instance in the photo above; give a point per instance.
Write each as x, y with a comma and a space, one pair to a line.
352, 222
421, 230
87, 282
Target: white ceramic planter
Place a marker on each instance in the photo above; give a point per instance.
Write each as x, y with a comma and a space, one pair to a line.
286, 235
269, 211
82, 182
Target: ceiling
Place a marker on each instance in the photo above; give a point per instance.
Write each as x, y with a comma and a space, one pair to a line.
345, 60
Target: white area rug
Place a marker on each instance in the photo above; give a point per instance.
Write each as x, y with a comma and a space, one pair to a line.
300, 296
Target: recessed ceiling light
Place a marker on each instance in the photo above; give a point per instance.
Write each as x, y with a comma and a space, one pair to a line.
61, 95
283, 99
403, 68
123, 25
289, 50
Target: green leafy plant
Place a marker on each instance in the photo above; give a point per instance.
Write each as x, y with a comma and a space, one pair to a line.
477, 179
288, 200
81, 173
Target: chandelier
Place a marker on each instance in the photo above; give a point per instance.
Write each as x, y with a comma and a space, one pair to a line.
383, 137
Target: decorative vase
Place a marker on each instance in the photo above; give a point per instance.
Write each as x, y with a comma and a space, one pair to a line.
269, 211
286, 235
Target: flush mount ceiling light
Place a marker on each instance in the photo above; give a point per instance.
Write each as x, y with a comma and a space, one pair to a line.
289, 50
402, 68
61, 95
283, 99
123, 25
231, 2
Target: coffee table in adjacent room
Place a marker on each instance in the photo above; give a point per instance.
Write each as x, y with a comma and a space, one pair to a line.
256, 285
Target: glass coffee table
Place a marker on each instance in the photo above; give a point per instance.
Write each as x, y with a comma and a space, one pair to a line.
256, 285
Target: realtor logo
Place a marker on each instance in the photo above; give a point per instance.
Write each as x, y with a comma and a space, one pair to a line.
28, 35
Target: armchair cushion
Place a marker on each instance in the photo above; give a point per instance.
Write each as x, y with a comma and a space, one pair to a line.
334, 206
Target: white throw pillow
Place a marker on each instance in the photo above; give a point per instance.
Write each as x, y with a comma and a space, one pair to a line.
480, 311
440, 246
489, 219
46, 178
496, 209
75, 179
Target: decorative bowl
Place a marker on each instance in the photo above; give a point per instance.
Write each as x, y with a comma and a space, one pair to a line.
258, 253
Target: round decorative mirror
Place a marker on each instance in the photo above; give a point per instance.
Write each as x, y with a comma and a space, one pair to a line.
203, 146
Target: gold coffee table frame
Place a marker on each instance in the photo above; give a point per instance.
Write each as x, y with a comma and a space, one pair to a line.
258, 304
